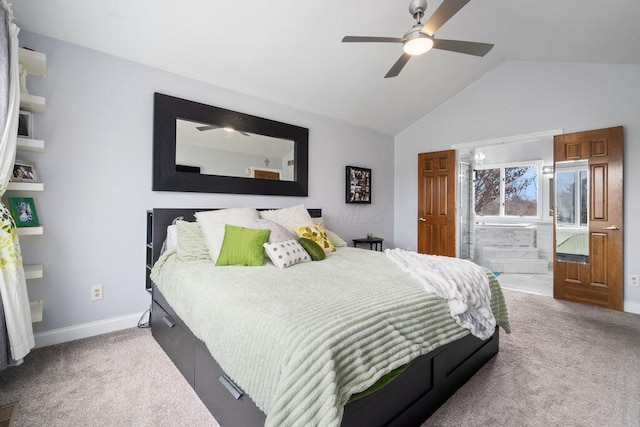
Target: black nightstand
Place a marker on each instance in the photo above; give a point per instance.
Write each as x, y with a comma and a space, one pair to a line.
372, 241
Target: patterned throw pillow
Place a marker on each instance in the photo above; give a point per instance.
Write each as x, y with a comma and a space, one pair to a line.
287, 253
318, 235
191, 244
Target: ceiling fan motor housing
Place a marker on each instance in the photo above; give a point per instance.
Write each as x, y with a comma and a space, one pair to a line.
417, 8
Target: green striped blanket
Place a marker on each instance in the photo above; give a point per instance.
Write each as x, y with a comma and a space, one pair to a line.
302, 340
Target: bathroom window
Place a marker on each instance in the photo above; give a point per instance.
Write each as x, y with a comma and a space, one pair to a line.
508, 190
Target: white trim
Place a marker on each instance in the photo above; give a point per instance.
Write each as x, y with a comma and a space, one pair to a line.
632, 307
527, 137
85, 330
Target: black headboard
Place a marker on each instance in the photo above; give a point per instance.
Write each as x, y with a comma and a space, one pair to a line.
163, 217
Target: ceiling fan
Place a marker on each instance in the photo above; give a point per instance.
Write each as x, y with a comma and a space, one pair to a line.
419, 39
228, 129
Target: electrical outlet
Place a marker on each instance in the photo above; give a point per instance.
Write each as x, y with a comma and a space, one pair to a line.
96, 292
634, 280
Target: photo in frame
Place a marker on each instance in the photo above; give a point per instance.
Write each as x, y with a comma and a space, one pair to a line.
25, 124
24, 172
23, 211
358, 188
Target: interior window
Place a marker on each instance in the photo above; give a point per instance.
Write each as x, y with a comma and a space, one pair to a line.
507, 190
521, 191
487, 187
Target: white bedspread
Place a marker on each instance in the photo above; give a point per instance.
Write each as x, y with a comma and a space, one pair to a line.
462, 283
302, 340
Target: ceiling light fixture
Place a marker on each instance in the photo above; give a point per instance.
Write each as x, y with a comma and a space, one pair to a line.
418, 46
416, 42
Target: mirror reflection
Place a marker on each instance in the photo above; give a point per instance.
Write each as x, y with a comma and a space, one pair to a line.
213, 150
572, 211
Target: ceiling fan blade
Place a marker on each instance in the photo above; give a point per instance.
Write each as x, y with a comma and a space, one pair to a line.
447, 9
201, 128
243, 133
398, 66
470, 48
365, 39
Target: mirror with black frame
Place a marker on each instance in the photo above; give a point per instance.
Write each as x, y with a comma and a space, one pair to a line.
202, 148
572, 211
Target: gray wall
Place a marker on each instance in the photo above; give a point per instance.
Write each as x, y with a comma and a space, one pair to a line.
521, 97
219, 162
97, 174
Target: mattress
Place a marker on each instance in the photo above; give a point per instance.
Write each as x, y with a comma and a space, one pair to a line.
301, 341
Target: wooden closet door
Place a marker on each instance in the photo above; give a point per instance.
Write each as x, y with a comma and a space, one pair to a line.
437, 203
600, 282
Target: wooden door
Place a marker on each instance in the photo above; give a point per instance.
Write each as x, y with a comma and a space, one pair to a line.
437, 203
263, 174
600, 282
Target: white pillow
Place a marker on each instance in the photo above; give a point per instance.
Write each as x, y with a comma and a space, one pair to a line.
172, 237
290, 218
287, 253
278, 232
336, 240
318, 221
212, 225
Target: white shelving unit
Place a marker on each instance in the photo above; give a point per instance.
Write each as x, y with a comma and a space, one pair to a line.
30, 231
30, 145
25, 186
33, 271
35, 64
33, 103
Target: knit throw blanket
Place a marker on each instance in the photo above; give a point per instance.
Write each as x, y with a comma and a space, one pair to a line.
462, 283
302, 340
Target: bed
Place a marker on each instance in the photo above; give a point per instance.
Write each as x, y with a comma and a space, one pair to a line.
415, 393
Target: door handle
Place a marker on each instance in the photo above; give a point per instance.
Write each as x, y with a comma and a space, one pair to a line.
422, 219
168, 321
611, 227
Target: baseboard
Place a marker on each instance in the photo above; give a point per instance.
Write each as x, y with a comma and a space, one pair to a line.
86, 330
632, 307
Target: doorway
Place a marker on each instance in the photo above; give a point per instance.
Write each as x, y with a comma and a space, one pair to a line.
508, 198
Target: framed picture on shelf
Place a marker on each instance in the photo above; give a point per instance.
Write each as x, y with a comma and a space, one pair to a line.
24, 172
25, 124
23, 211
358, 189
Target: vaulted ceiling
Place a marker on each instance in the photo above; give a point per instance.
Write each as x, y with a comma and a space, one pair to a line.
290, 52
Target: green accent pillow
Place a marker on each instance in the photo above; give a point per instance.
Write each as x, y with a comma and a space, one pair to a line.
190, 242
314, 249
242, 246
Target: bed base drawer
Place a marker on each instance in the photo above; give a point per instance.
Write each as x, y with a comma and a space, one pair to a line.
174, 340
229, 404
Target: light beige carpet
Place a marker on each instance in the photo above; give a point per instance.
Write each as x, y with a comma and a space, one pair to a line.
118, 379
563, 365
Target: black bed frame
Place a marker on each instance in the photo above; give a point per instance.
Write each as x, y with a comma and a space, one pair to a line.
407, 401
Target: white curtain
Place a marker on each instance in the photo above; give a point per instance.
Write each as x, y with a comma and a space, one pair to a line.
13, 287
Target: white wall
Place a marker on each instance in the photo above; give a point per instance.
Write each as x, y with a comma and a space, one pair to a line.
97, 174
521, 97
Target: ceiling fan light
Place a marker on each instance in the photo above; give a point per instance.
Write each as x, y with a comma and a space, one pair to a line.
418, 46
